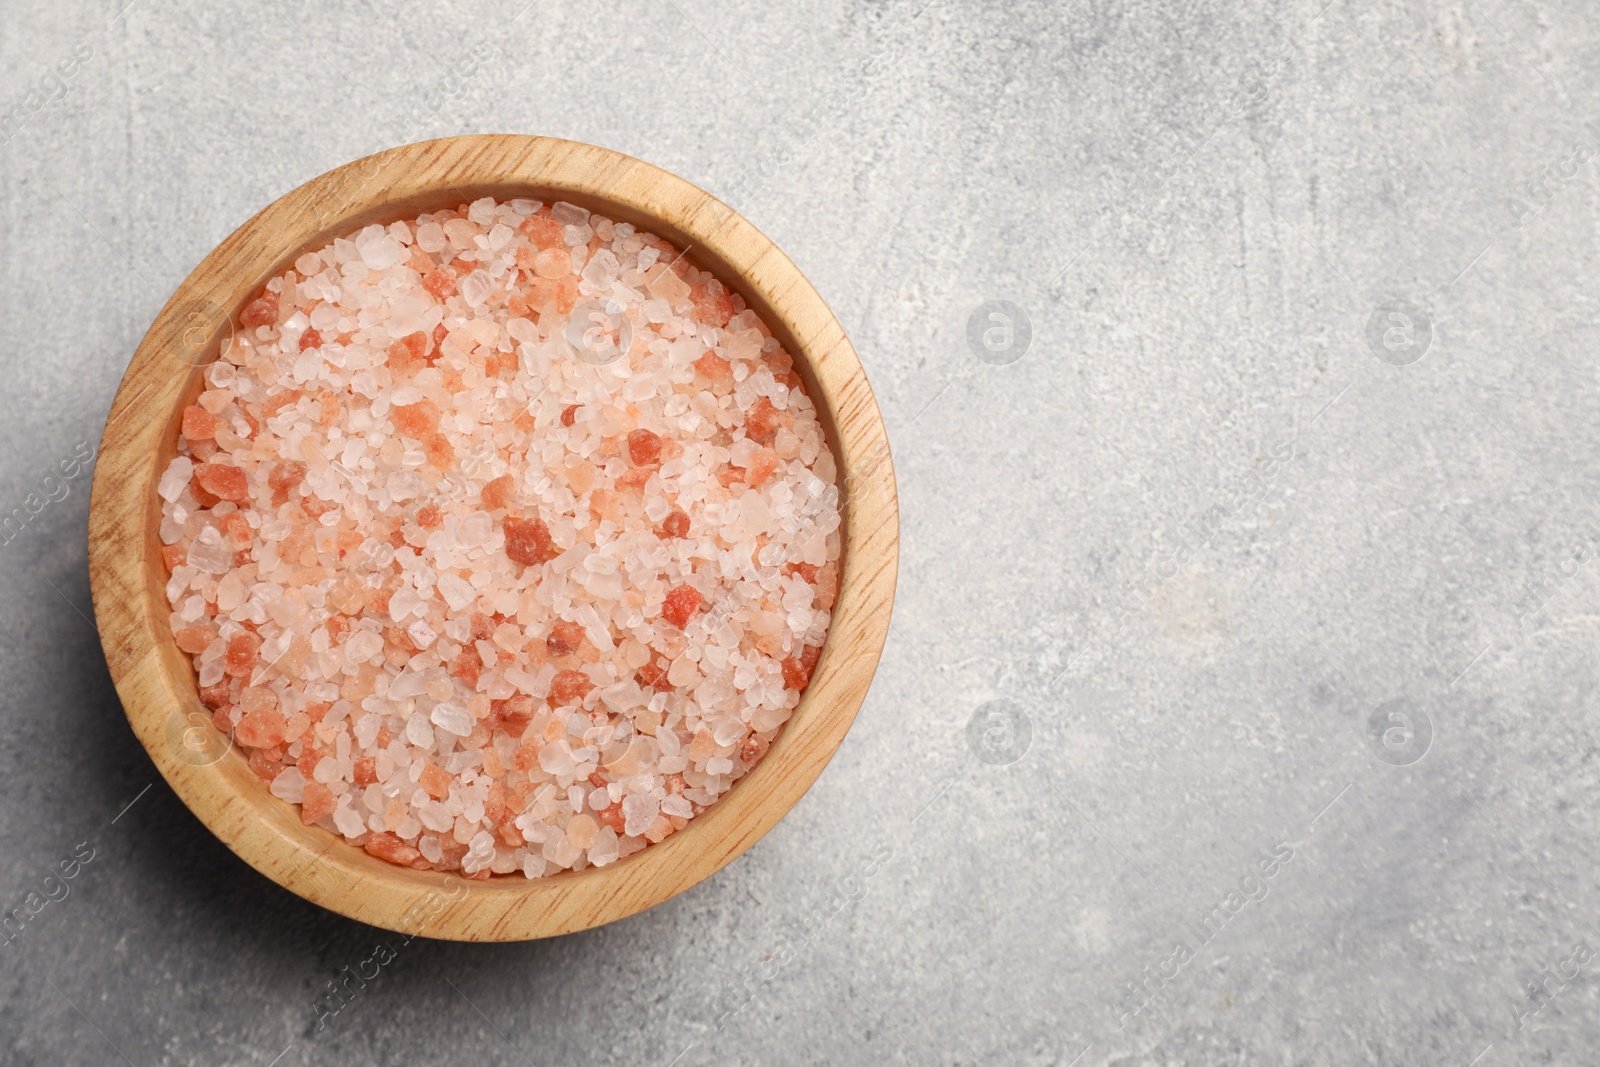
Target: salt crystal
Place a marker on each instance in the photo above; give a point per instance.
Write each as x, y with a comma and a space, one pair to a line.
175, 479
452, 718
569, 214
419, 732
421, 634
362, 647
475, 288
289, 785
430, 238
456, 591
208, 554
638, 812
377, 249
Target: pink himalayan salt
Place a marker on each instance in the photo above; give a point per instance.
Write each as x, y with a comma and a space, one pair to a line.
476, 603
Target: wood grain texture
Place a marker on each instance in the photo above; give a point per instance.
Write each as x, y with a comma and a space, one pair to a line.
157, 683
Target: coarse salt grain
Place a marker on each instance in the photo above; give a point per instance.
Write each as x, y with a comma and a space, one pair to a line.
511, 528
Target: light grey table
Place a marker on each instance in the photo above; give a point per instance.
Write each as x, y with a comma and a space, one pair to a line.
1239, 706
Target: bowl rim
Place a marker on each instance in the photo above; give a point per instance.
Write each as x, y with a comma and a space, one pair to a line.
155, 681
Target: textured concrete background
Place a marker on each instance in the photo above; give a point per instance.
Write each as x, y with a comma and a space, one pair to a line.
1289, 416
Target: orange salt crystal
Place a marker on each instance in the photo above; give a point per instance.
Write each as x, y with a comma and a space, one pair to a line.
543, 231
714, 366
676, 524
827, 586
528, 541
195, 639
199, 424
566, 295
569, 414
338, 627
261, 728
751, 752
278, 401
435, 780
223, 481
429, 517
419, 421
262, 311
570, 687
681, 604
441, 283
310, 339
762, 464
514, 715
328, 408
762, 421
317, 802
240, 658
264, 768
496, 495
386, 846
174, 556
612, 816
797, 670
526, 757
651, 676
365, 770
552, 263
644, 447
564, 639
807, 571
214, 696
467, 666
236, 530
439, 452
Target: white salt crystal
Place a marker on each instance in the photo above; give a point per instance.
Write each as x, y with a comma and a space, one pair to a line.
475, 288
457, 593
367, 729
176, 478
421, 634
419, 732
676, 805
456, 720
569, 214
555, 759
404, 485
289, 785
363, 646
377, 249
639, 811
207, 552
430, 237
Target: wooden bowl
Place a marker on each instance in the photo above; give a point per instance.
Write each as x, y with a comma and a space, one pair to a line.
157, 682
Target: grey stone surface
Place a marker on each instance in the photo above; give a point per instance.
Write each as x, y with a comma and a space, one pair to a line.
1191, 540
